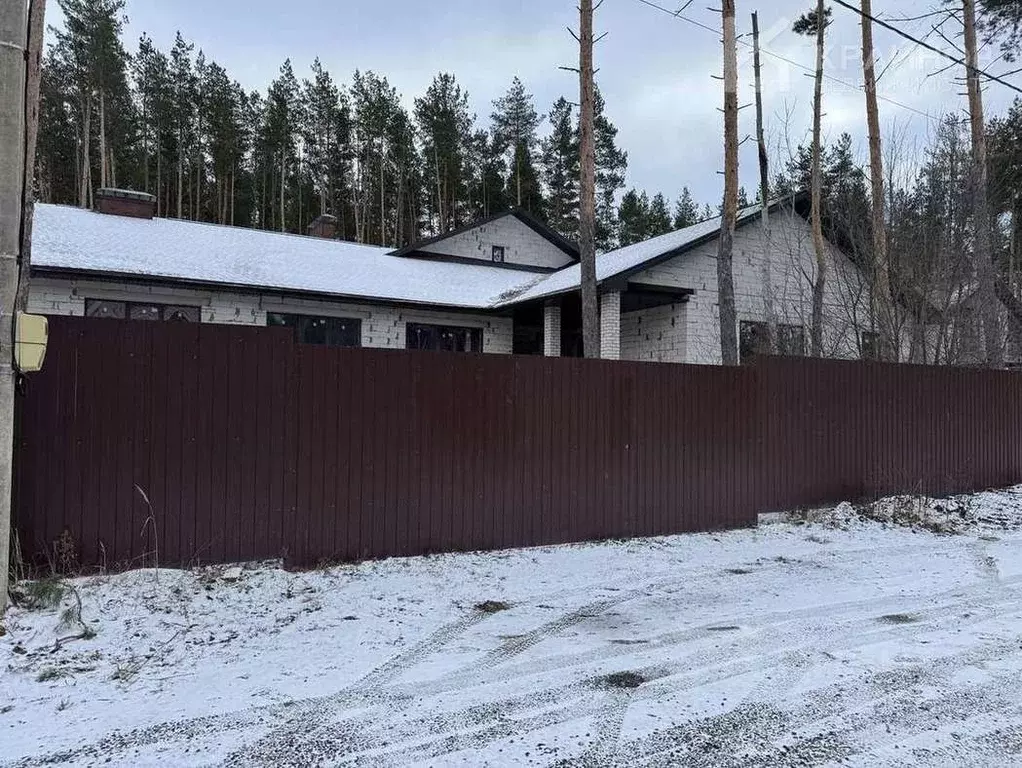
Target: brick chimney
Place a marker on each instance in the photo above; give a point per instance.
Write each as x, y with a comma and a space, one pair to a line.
324, 225
125, 202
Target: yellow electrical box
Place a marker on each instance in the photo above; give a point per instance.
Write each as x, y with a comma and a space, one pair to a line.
30, 335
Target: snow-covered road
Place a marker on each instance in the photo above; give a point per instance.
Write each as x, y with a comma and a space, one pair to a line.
788, 645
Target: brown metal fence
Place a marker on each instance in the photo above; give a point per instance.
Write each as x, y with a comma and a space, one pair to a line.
182, 444
250, 446
837, 430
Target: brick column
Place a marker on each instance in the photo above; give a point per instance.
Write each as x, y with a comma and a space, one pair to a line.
610, 325
552, 329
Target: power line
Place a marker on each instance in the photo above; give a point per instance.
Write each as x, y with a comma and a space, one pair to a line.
785, 59
927, 46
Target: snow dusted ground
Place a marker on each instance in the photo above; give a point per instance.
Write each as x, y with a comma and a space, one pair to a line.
841, 639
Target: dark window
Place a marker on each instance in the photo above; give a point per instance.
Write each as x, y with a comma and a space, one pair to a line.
443, 338
791, 340
121, 310
752, 341
97, 308
869, 344
144, 312
181, 314
498, 254
326, 331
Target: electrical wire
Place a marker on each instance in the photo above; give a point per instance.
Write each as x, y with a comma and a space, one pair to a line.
786, 60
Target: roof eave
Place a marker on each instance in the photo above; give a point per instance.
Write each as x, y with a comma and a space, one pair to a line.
43, 270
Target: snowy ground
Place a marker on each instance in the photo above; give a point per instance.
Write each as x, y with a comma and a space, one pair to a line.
837, 640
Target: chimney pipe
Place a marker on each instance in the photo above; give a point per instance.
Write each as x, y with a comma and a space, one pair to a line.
125, 202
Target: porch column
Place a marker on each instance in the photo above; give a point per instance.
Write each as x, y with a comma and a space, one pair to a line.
610, 325
552, 329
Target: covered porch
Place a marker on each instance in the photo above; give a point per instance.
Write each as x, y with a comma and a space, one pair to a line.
638, 321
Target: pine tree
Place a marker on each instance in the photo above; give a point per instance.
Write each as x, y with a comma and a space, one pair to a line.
490, 192
153, 90
659, 220
323, 103
633, 218
283, 118
182, 81
445, 128
1003, 19
92, 56
743, 199
611, 164
515, 122
56, 164
375, 103
686, 212
560, 160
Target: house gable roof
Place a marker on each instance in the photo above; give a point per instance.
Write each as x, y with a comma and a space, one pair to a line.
632, 259
537, 226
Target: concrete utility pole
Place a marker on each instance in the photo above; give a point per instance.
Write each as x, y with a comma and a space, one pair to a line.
983, 248
587, 183
881, 287
725, 274
764, 194
13, 33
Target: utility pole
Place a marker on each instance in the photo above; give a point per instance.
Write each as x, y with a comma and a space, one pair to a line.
13, 44
725, 274
587, 183
764, 194
33, 76
880, 289
982, 248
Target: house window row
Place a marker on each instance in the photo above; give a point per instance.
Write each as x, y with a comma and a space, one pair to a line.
135, 310
308, 329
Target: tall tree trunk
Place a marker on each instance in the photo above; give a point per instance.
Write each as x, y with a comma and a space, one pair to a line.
587, 184
983, 247
180, 174
518, 174
880, 289
383, 211
819, 244
725, 275
441, 219
769, 304
283, 175
103, 175
197, 194
145, 148
86, 177
159, 178
234, 172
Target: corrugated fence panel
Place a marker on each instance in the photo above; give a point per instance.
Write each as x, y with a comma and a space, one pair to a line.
144, 443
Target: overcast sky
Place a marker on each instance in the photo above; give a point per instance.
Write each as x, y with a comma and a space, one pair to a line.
655, 70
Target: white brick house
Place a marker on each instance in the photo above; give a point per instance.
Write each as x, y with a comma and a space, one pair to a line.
502, 285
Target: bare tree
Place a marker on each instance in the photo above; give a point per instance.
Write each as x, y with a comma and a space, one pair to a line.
982, 247
587, 183
881, 289
815, 22
725, 274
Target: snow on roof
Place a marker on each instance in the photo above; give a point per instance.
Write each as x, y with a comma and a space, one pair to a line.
80, 240
614, 263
